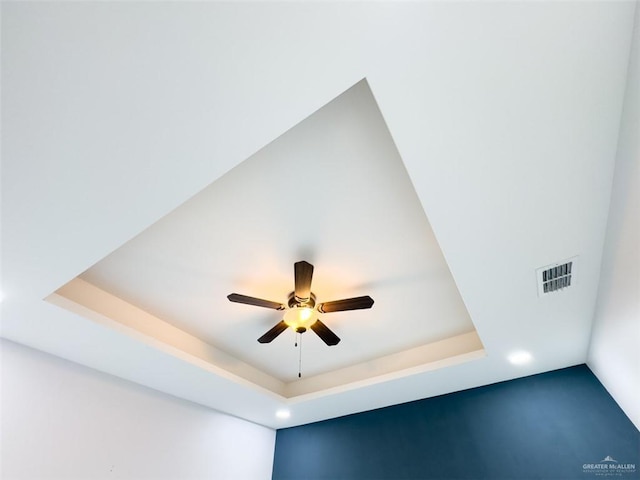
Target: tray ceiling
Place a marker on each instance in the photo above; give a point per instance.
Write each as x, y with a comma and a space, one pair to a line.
344, 202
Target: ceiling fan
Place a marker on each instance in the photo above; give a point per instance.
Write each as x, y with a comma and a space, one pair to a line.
301, 307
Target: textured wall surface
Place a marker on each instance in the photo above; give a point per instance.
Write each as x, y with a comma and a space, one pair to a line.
613, 353
64, 421
555, 425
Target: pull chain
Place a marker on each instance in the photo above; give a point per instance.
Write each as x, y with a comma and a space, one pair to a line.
300, 359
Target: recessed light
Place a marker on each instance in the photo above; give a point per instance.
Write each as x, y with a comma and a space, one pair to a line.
283, 414
520, 357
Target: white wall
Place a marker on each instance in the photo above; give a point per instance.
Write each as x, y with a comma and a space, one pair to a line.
615, 343
61, 420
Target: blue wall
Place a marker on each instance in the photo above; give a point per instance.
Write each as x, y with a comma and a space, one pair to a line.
545, 426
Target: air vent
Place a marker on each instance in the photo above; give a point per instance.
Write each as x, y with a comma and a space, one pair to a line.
557, 276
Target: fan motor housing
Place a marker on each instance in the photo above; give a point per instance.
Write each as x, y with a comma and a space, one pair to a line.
304, 302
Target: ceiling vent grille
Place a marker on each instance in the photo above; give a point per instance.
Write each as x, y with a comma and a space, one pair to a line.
557, 276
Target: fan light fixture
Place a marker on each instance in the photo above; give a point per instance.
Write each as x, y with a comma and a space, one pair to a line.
301, 311
300, 308
299, 318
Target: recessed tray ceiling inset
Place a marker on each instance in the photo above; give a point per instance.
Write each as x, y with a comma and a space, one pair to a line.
333, 191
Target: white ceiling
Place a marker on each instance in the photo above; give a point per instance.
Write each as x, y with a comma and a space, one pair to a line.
504, 115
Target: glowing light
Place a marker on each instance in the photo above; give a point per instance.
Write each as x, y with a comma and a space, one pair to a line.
298, 317
283, 414
520, 357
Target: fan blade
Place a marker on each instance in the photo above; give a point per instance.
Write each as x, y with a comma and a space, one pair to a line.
258, 302
356, 303
325, 333
273, 333
303, 274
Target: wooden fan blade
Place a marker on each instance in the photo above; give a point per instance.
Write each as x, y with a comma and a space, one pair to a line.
303, 274
325, 333
258, 302
273, 333
356, 303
